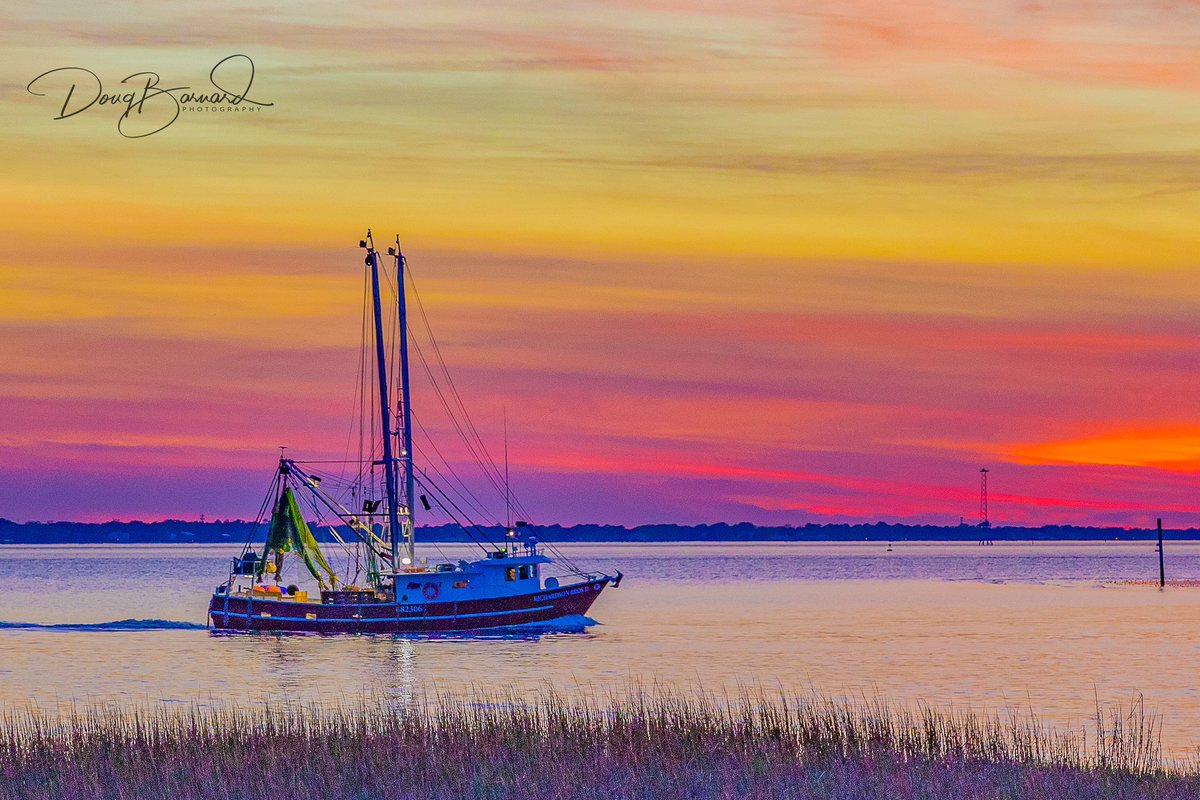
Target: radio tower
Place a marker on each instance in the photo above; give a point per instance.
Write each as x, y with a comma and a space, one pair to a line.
983, 509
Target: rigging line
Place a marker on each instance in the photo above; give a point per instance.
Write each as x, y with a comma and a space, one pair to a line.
561, 558
363, 370
433, 339
393, 285
474, 442
454, 421
449, 378
493, 474
442, 397
262, 512
370, 412
369, 398
568, 563
311, 504
512, 497
358, 378
393, 337
403, 404
435, 546
490, 468
411, 281
432, 487
525, 515
373, 443
315, 491
478, 504
476, 540
447, 486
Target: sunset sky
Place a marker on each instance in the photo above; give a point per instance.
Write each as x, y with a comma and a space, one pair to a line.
777, 262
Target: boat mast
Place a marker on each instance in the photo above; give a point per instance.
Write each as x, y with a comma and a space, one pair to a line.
406, 403
389, 463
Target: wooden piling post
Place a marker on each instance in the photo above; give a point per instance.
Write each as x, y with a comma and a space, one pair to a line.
1162, 573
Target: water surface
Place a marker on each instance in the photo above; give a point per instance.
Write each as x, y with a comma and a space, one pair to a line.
1048, 627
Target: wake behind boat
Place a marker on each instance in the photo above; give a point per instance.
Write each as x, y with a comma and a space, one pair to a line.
383, 587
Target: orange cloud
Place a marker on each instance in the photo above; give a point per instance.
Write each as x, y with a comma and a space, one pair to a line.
1177, 450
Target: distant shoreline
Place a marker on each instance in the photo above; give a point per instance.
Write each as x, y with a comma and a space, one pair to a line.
226, 531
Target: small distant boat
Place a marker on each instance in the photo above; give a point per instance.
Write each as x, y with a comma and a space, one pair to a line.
384, 589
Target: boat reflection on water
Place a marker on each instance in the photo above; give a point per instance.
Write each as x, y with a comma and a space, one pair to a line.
575, 626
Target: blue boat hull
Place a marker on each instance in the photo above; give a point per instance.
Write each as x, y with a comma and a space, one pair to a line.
238, 612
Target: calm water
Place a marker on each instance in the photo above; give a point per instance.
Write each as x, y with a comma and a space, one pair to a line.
1049, 627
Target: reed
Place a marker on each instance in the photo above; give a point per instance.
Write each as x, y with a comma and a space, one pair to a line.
639, 744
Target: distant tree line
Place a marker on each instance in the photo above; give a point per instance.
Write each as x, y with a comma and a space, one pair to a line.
236, 531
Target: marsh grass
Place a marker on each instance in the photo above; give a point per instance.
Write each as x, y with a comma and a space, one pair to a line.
642, 744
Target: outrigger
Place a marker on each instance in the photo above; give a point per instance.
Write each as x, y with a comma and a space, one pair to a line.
384, 588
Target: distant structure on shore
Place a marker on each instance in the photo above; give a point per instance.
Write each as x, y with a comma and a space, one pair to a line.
984, 522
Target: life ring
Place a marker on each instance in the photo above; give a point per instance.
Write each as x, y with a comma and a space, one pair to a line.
431, 591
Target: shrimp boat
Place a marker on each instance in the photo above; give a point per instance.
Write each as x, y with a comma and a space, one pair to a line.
384, 588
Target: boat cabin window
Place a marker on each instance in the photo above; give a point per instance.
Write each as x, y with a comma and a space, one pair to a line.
510, 574
524, 571
533, 570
